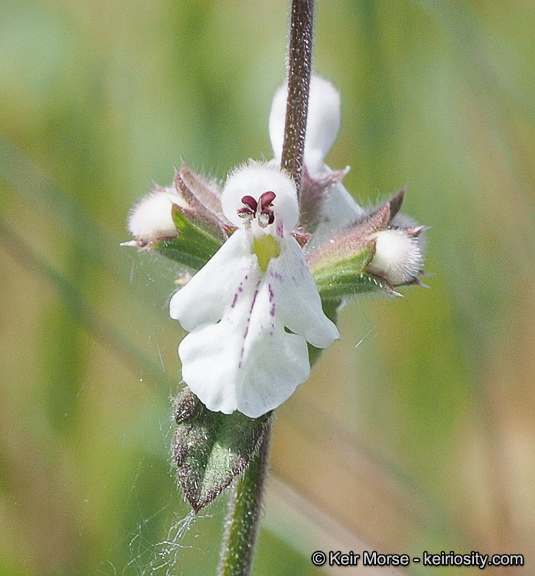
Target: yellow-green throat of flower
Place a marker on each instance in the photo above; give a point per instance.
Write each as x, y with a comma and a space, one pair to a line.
265, 249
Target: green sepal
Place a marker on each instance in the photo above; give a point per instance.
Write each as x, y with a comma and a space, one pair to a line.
347, 276
196, 243
211, 448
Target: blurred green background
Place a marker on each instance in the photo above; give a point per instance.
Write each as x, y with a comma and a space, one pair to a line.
417, 429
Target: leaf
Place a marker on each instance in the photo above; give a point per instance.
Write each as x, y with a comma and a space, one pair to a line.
211, 448
197, 241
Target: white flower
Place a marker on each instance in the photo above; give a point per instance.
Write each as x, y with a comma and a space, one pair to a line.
254, 306
338, 208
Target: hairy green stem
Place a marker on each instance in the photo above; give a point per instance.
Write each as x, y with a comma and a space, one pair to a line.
241, 528
243, 516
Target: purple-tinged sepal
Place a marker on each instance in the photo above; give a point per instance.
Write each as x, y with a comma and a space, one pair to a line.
183, 222
374, 254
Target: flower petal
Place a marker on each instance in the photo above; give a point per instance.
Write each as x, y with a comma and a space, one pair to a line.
206, 296
300, 304
239, 354
338, 209
246, 362
253, 180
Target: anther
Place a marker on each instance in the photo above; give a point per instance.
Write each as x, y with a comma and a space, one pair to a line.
266, 200
251, 202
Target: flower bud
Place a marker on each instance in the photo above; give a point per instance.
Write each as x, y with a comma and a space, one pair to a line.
323, 122
152, 217
398, 257
183, 222
375, 253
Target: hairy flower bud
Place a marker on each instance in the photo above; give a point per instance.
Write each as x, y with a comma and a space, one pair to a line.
183, 222
398, 257
375, 253
152, 218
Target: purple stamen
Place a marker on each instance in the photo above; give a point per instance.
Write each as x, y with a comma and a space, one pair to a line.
266, 200
251, 202
245, 212
261, 209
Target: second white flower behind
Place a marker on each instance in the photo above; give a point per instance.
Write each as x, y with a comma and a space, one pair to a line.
254, 306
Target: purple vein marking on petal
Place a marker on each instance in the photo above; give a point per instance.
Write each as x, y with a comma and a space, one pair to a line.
240, 289
254, 300
248, 322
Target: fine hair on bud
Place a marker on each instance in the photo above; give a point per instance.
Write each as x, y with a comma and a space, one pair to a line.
398, 256
151, 217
